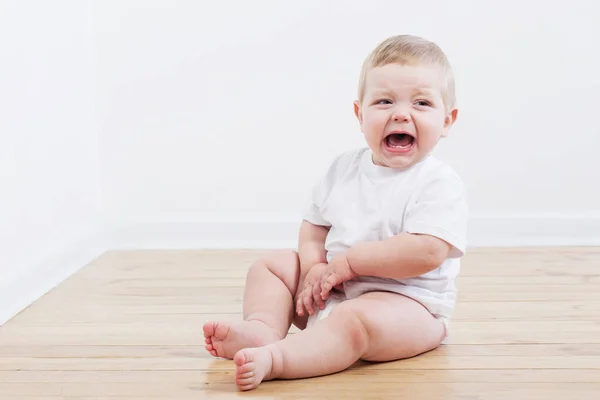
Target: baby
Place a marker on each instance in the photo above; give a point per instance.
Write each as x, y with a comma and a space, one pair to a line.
380, 242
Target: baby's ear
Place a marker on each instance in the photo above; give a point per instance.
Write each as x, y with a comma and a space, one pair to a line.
358, 112
449, 120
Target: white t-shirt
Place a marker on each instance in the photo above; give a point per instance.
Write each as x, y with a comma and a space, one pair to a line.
361, 201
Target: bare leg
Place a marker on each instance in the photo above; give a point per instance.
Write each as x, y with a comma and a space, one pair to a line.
376, 326
271, 286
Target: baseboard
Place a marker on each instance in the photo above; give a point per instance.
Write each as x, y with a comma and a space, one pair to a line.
492, 230
485, 230
534, 229
37, 280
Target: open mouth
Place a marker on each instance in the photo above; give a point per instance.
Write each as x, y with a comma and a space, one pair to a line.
400, 141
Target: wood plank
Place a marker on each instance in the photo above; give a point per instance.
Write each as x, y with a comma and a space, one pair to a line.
490, 310
526, 326
317, 387
197, 351
154, 378
527, 310
520, 296
205, 362
466, 311
188, 332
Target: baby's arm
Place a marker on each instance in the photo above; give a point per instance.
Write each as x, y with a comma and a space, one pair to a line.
311, 248
402, 256
416, 254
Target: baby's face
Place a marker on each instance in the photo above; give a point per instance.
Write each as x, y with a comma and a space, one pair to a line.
402, 114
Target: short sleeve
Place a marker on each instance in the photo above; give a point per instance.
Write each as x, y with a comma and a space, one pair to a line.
440, 209
312, 210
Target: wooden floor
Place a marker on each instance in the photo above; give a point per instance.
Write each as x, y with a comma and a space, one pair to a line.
128, 326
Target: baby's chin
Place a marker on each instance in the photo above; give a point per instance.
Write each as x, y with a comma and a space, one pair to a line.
399, 163
396, 161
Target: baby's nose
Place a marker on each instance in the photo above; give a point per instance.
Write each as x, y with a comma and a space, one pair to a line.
401, 115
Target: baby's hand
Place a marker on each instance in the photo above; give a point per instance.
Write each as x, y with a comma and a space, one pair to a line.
311, 291
337, 272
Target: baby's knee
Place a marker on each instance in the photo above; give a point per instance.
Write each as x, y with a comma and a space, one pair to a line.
277, 260
349, 320
285, 264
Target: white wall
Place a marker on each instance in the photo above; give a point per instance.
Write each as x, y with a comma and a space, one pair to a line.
228, 111
48, 147
187, 123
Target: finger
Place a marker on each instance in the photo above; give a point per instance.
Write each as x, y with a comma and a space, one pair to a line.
317, 297
302, 310
334, 280
328, 285
325, 290
299, 306
308, 302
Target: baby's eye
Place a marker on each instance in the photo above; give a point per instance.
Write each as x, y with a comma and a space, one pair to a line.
383, 101
423, 103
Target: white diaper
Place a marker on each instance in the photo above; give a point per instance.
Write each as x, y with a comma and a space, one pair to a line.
334, 299
446, 323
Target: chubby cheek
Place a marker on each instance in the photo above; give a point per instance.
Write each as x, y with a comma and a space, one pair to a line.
429, 131
374, 125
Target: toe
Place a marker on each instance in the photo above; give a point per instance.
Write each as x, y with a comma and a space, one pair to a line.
221, 330
209, 329
244, 369
246, 375
244, 381
240, 358
247, 383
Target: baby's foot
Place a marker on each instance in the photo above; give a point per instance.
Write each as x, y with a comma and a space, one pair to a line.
224, 339
254, 365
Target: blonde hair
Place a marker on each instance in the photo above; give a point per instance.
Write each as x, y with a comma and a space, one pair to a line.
410, 50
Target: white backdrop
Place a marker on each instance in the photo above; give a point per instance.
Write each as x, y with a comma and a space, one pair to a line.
196, 124
229, 111
49, 211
